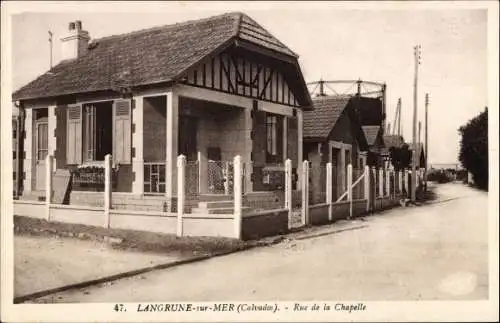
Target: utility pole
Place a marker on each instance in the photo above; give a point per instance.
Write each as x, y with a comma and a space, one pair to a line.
399, 117
321, 87
417, 53
426, 140
50, 44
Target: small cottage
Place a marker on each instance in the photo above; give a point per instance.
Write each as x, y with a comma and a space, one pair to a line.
332, 133
208, 89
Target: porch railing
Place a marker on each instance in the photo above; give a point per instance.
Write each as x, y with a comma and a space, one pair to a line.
220, 177
154, 177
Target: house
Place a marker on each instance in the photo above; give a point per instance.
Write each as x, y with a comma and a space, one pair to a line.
371, 114
208, 89
392, 141
332, 133
16, 133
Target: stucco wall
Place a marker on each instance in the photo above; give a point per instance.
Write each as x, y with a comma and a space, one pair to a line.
340, 211
318, 214
262, 224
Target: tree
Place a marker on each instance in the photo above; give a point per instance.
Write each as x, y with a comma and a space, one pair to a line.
400, 157
474, 148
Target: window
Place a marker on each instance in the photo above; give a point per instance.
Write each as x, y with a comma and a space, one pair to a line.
14, 154
42, 140
97, 131
272, 145
274, 136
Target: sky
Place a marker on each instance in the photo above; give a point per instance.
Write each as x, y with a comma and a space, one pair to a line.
334, 42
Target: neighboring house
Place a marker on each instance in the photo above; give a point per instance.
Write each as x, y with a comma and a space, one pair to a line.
15, 152
375, 139
209, 89
332, 133
392, 141
371, 114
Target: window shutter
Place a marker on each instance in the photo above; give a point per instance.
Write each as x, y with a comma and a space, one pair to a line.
122, 132
61, 134
74, 134
259, 144
292, 140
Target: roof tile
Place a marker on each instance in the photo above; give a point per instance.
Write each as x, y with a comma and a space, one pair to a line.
148, 56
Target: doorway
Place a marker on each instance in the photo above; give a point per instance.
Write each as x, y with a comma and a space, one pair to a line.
188, 131
41, 147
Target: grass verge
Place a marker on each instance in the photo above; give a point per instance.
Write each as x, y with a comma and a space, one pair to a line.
131, 240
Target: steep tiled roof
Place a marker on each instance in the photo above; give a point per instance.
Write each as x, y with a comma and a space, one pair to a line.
370, 110
371, 133
149, 56
326, 110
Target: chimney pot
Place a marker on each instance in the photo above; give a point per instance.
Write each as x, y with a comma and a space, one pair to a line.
75, 43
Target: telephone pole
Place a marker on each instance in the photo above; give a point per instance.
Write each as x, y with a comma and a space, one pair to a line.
417, 55
50, 44
426, 140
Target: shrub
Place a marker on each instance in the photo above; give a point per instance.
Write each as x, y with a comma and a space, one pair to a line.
474, 148
439, 177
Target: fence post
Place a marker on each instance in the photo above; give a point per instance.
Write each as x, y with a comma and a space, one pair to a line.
238, 196
107, 189
367, 187
400, 182
181, 182
288, 188
406, 184
349, 188
305, 192
388, 182
49, 160
329, 190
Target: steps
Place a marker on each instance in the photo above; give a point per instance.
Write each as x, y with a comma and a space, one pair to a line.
33, 196
216, 204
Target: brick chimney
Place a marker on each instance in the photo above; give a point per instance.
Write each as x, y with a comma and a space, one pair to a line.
75, 43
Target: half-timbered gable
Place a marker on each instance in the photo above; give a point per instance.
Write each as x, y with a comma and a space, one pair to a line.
244, 73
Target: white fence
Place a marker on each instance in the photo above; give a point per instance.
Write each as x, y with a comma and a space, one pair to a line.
366, 190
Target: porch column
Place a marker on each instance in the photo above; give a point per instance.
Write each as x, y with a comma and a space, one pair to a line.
28, 152
138, 146
246, 157
300, 124
285, 138
202, 173
51, 137
172, 147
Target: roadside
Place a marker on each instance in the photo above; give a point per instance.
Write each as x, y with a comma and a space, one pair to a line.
434, 252
66, 256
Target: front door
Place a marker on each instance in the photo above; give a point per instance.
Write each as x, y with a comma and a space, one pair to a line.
336, 174
41, 151
188, 131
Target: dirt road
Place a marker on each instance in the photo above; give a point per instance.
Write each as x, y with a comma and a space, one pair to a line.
437, 251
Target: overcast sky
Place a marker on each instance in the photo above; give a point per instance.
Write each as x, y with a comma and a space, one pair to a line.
333, 43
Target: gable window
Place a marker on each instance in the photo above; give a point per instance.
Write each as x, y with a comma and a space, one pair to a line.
274, 136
